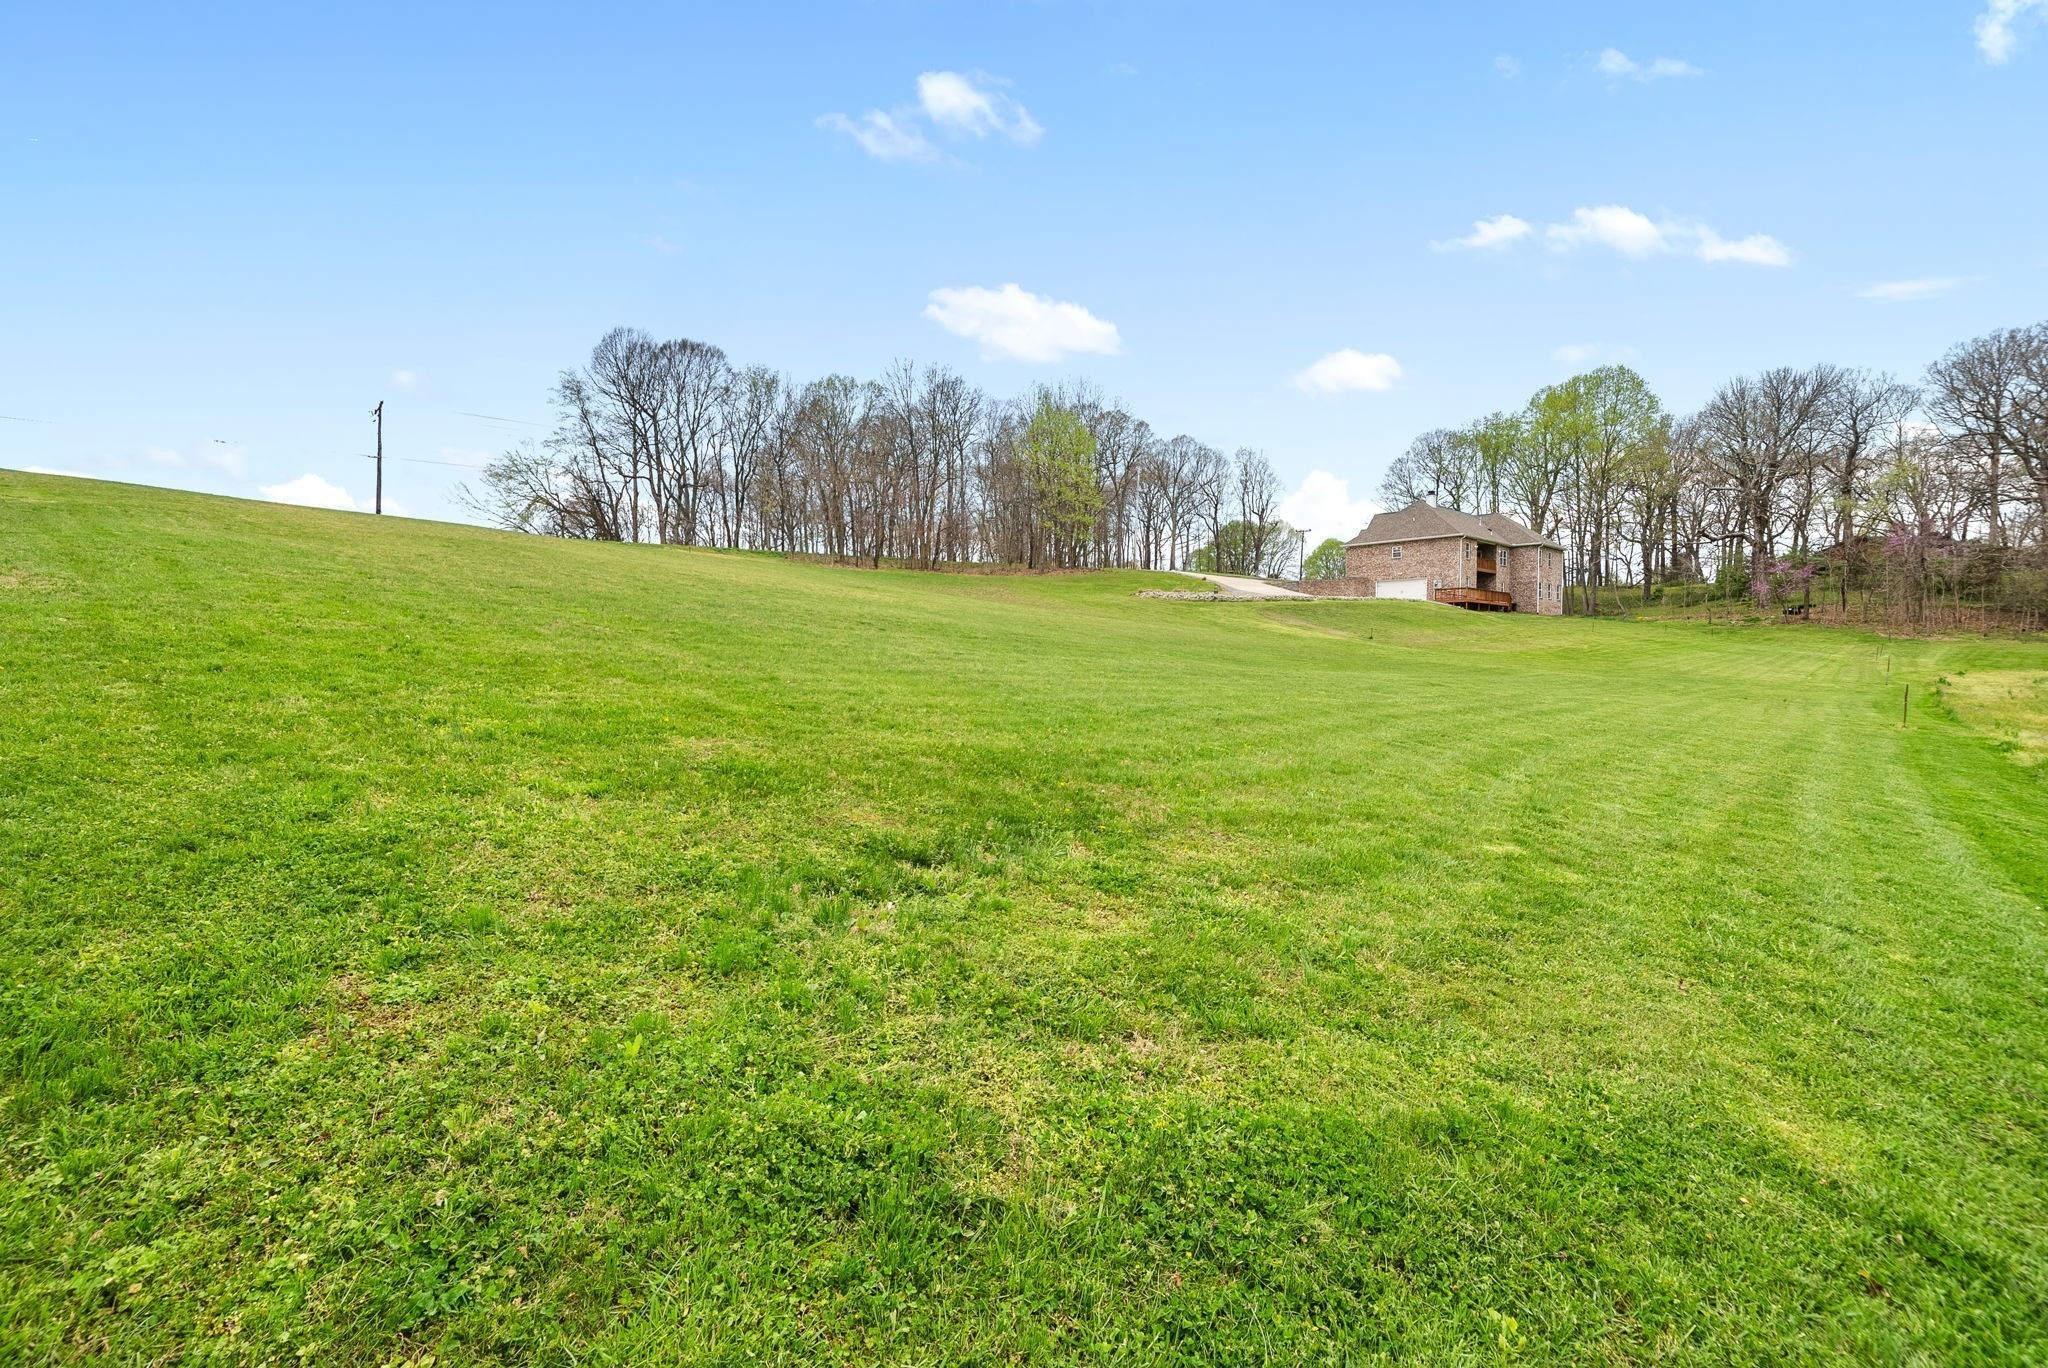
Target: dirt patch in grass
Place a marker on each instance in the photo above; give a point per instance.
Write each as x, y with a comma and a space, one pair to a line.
2010, 706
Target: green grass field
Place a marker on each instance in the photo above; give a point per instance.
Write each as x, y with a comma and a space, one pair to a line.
422, 940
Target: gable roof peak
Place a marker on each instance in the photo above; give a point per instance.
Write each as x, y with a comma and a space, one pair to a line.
1424, 521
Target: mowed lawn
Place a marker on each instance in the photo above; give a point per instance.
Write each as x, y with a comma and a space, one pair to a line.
422, 940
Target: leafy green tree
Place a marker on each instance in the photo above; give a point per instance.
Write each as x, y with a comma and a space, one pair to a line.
1224, 553
1248, 548
1583, 442
1325, 562
1057, 455
1495, 442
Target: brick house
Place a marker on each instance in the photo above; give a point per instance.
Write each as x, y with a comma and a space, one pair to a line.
1486, 561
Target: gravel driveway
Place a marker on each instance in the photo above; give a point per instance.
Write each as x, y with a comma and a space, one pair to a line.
1253, 588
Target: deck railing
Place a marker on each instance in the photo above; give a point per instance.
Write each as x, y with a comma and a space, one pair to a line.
1475, 598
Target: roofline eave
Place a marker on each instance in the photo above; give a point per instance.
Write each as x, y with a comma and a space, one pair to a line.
1495, 538
1396, 541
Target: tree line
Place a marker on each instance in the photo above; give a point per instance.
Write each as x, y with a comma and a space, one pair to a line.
672, 442
1791, 482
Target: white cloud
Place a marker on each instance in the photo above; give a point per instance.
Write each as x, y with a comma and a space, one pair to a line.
884, 136
311, 490
1507, 66
974, 106
1576, 353
1493, 232
1905, 291
1348, 371
1618, 64
1758, 249
1609, 225
1636, 235
954, 103
1995, 36
1013, 324
52, 470
405, 380
1323, 507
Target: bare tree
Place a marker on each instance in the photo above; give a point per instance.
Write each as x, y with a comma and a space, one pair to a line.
1864, 407
1438, 466
747, 417
696, 383
528, 489
1992, 394
1209, 488
668, 441
1184, 466
1258, 499
1763, 432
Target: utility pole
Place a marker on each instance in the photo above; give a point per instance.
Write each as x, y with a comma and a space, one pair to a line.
378, 414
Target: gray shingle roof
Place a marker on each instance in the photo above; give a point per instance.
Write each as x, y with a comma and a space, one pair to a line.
1421, 521
1511, 532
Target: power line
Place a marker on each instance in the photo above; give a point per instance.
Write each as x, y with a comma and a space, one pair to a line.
421, 460
46, 422
494, 418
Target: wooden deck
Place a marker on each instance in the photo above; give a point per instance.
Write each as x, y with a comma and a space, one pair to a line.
1484, 600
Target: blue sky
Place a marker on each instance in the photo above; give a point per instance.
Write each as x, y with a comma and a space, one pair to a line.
229, 230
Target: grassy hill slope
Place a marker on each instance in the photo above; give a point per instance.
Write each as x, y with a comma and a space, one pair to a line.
419, 939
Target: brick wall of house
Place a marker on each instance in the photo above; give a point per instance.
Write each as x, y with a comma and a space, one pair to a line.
1335, 588
1535, 576
1443, 561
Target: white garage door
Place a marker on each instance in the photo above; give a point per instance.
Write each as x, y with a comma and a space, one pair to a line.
1402, 589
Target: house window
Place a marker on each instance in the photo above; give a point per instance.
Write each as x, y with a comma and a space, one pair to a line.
1394, 553
1502, 556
